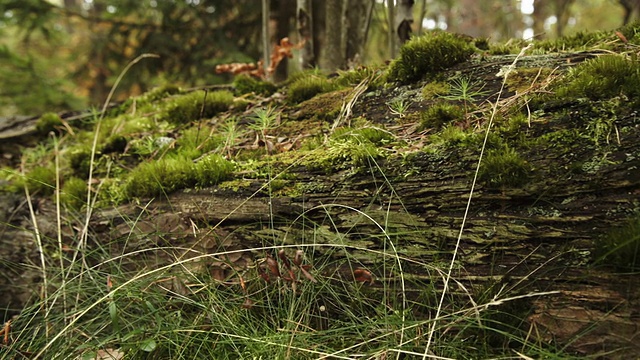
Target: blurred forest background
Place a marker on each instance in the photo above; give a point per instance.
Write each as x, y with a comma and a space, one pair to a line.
66, 54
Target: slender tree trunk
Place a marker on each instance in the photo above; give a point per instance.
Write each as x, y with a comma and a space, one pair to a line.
423, 13
392, 36
334, 57
404, 19
266, 45
284, 10
358, 16
304, 19
540, 9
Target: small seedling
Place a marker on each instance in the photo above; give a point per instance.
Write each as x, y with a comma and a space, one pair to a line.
465, 90
399, 107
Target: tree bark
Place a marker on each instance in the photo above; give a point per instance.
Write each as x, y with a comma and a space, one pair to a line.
334, 56
404, 20
393, 51
304, 19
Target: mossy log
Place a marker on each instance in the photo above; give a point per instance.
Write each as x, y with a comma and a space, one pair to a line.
536, 237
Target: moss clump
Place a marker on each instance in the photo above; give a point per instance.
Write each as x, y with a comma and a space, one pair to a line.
309, 86
167, 175
440, 114
189, 107
41, 179
355, 77
197, 140
435, 89
602, 78
74, 193
351, 148
212, 170
369, 134
621, 246
245, 84
577, 41
49, 122
114, 144
524, 78
80, 161
324, 106
429, 54
160, 177
504, 168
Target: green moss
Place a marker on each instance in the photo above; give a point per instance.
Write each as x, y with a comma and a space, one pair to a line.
427, 55
163, 176
245, 84
523, 78
374, 135
189, 107
41, 179
74, 193
324, 106
440, 114
620, 247
434, 89
114, 144
307, 87
356, 76
166, 175
350, 148
49, 122
197, 140
504, 168
80, 161
212, 169
602, 78
577, 41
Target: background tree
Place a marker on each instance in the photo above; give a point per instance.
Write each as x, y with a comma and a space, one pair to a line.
55, 57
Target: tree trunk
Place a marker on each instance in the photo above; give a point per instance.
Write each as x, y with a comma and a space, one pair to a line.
282, 12
540, 11
334, 56
266, 38
304, 19
358, 15
391, 34
403, 20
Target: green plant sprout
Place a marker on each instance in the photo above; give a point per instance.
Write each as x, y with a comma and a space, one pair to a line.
264, 119
399, 107
465, 90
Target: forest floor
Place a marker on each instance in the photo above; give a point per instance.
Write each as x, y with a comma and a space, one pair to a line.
487, 207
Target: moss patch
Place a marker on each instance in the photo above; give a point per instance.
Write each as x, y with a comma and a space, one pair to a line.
196, 105
309, 86
429, 54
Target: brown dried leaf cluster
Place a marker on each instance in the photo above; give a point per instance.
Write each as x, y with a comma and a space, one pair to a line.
280, 51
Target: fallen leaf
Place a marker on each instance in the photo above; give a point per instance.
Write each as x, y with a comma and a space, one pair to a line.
247, 304
307, 274
109, 354
285, 260
298, 258
273, 266
622, 37
362, 275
